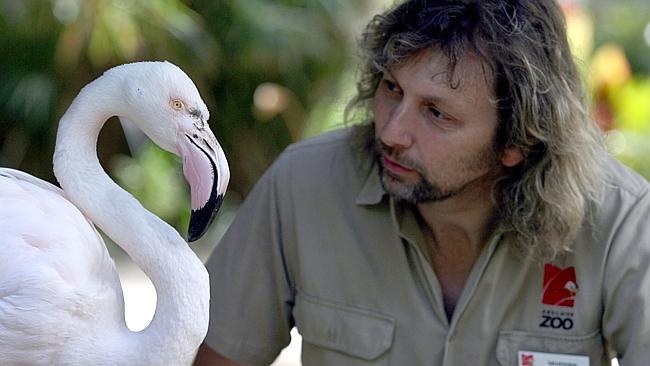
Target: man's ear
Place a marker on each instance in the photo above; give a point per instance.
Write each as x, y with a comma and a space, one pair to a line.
511, 156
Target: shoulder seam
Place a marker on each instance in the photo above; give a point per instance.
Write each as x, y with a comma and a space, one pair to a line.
316, 142
636, 193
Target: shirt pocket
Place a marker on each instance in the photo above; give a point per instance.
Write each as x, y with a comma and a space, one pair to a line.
511, 342
336, 334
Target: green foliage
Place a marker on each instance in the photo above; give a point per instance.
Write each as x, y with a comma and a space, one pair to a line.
234, 50
271, 72
632, 105
623, 22
157, 181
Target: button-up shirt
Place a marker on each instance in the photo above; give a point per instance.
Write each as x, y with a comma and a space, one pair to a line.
319, 245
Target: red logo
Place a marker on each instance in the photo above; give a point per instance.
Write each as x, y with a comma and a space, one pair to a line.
560, 286
527, 360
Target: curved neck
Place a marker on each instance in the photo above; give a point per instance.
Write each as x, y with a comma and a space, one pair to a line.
181, 281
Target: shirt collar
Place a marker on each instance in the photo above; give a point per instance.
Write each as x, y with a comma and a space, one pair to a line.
372, 191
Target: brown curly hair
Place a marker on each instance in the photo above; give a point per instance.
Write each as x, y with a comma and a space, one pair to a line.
538, 94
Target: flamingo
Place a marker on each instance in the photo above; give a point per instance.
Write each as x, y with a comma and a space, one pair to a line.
61, 302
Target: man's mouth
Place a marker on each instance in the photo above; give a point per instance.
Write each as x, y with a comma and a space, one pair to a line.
394, 167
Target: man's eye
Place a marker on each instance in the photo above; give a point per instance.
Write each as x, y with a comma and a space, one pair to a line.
391, 86
441, 119
435, 113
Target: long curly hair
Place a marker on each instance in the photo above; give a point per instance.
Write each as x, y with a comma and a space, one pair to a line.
538, 93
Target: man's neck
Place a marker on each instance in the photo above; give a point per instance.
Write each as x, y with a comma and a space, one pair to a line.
465, 221
455, 231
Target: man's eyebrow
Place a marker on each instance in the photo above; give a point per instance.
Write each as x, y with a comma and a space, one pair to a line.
445, 98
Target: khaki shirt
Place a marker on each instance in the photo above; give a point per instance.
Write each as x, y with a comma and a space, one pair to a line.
320, 246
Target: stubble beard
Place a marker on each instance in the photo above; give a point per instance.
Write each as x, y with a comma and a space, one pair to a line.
424, 190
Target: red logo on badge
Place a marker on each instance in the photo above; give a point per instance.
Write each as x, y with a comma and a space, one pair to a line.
560, 286
527, 360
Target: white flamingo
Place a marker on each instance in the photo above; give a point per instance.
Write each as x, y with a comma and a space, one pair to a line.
60, 297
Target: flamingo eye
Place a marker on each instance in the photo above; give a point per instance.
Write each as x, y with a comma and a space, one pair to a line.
177, 104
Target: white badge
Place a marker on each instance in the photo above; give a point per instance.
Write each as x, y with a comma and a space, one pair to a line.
528, 358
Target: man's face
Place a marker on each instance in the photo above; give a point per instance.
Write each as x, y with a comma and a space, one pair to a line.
435, 140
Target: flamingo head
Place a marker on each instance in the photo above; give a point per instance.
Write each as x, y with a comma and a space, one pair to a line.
165, 104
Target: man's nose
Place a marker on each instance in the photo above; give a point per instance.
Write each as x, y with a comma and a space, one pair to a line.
397, 133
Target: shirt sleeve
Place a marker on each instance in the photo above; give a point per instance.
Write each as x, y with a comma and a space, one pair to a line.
251, 296
626, 318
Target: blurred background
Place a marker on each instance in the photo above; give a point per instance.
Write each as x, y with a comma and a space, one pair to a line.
271, 73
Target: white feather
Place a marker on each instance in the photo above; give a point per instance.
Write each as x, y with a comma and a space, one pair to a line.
61, 301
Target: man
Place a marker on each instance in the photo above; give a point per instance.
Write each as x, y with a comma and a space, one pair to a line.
475, 220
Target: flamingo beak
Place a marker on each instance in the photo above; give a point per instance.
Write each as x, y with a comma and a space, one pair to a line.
206, 169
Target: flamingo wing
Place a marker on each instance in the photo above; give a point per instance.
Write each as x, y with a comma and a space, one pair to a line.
56, 275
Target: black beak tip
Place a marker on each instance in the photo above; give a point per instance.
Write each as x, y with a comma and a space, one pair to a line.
194, 235
201, 219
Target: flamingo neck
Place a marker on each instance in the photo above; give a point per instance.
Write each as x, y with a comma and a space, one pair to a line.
181, 281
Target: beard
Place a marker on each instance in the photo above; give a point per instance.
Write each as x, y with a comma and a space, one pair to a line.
414, 193
426, 189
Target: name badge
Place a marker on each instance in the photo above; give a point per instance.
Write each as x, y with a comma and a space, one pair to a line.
528, 358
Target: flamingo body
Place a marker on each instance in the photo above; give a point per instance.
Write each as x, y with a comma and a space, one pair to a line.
61, 301
55, 272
